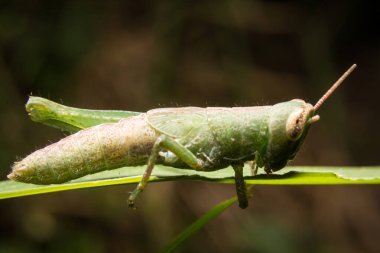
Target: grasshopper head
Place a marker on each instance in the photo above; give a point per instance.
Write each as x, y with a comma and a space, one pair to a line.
289, 123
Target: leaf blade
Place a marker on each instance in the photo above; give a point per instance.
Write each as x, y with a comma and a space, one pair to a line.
129, 175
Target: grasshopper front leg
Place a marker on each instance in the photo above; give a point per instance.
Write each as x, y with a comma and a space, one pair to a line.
167, 143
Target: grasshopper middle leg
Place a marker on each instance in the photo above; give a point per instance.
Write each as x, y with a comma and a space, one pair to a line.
165, 142
241, 188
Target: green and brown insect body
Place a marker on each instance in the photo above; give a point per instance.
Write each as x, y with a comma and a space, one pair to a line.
218, 137
204, 139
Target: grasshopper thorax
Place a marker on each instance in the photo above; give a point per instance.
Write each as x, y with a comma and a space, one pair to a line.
288, 125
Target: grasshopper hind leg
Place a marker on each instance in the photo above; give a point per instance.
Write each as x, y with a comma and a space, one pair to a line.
164, 142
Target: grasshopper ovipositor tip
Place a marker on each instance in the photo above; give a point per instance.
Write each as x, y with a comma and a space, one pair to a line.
18, 171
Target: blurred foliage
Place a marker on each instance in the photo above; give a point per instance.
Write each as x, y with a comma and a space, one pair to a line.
137, 55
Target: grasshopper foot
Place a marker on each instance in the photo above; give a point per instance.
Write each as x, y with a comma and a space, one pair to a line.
132, 197
131, 204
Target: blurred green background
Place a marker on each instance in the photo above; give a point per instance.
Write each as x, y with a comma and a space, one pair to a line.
137, 55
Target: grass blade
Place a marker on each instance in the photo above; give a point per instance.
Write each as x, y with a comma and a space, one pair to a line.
306, 175
197, 225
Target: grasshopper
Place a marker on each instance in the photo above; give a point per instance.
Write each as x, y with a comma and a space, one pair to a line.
204, 139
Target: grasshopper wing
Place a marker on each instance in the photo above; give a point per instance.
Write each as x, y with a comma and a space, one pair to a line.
181, 123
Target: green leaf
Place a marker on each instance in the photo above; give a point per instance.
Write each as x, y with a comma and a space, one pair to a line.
196, 226
307, 175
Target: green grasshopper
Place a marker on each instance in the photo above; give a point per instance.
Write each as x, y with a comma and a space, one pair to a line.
204, 139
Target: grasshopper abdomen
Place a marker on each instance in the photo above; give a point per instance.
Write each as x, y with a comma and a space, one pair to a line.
103, 147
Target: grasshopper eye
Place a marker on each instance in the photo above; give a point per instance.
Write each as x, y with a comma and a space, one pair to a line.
295, 124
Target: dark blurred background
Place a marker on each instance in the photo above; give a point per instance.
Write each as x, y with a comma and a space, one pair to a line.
137, 55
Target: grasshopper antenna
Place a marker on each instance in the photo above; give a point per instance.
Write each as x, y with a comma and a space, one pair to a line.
333, 87
328, 93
